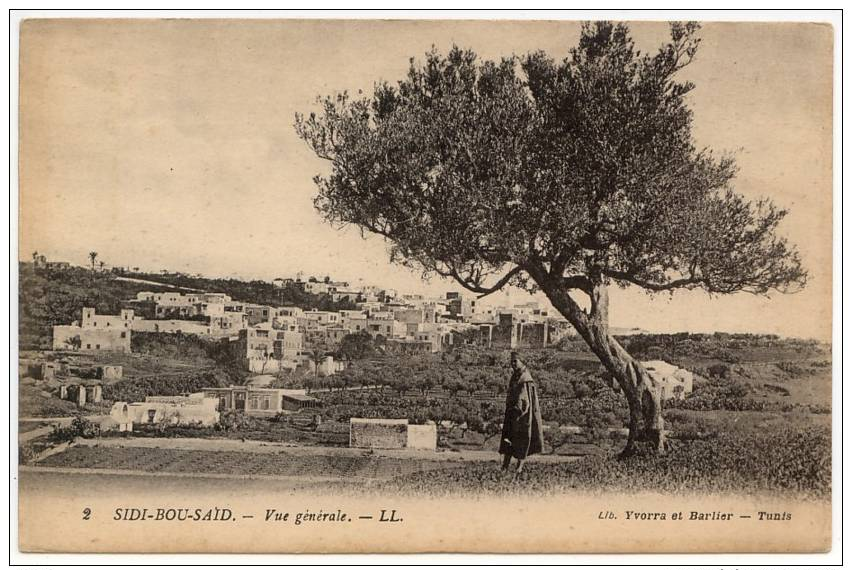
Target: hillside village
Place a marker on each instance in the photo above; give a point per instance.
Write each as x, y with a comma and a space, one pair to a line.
260, 341
267, 339
292, 329
263, 339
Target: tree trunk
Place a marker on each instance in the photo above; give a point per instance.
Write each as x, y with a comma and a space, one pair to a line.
642, 392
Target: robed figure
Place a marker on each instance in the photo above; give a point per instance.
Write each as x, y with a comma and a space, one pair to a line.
522, 428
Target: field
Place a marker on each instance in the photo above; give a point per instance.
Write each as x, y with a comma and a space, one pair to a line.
256, 429
792, 462
246, 459
158, 460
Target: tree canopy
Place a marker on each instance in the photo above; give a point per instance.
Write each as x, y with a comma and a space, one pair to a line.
581, 171
562, 176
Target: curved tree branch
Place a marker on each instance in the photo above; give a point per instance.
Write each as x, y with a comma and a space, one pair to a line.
657, 287
474, 284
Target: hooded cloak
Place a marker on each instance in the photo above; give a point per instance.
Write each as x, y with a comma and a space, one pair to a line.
522, 427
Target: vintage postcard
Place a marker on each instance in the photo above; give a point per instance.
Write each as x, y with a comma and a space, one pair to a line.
405, 286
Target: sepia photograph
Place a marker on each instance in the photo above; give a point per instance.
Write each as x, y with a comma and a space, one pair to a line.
333, 285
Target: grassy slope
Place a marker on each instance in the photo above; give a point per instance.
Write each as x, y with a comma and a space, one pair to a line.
49, 297
787, 461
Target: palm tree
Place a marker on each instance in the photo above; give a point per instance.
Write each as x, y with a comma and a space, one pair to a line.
101, 265
93, 255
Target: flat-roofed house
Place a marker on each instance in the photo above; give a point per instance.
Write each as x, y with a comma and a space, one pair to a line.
675, 382
95, 332
264, 349
257, 401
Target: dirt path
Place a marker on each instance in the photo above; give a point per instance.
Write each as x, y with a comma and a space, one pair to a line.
57, 419
56, 481
157, 283
295, 479
205, 444
24, 436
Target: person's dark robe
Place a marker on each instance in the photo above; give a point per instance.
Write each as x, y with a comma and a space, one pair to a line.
522, 428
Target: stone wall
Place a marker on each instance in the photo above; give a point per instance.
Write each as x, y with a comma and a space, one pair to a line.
378, 433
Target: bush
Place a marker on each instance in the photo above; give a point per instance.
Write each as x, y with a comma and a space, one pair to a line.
685, 426
721, 394
26, 453
237, 420
791, 368
80, 427
719, 371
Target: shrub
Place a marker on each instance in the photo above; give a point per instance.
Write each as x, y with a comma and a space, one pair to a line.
26, 453
80, 427
791, 368
237, 420
686, 426
720, 394
719, 371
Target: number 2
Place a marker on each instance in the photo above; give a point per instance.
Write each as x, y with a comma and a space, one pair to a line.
87, 513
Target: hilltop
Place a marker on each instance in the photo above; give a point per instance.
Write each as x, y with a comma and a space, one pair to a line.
55, 295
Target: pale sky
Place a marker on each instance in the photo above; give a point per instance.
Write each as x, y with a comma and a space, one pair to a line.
169, 144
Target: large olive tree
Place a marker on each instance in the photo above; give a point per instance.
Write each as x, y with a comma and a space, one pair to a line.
566, 177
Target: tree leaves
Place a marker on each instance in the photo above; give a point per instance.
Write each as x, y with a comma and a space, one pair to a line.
587, 166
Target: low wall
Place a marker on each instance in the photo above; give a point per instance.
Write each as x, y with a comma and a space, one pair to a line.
378, 433
391, 434
422, 436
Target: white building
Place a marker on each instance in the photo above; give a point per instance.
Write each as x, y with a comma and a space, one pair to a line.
95, 332
675, 382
